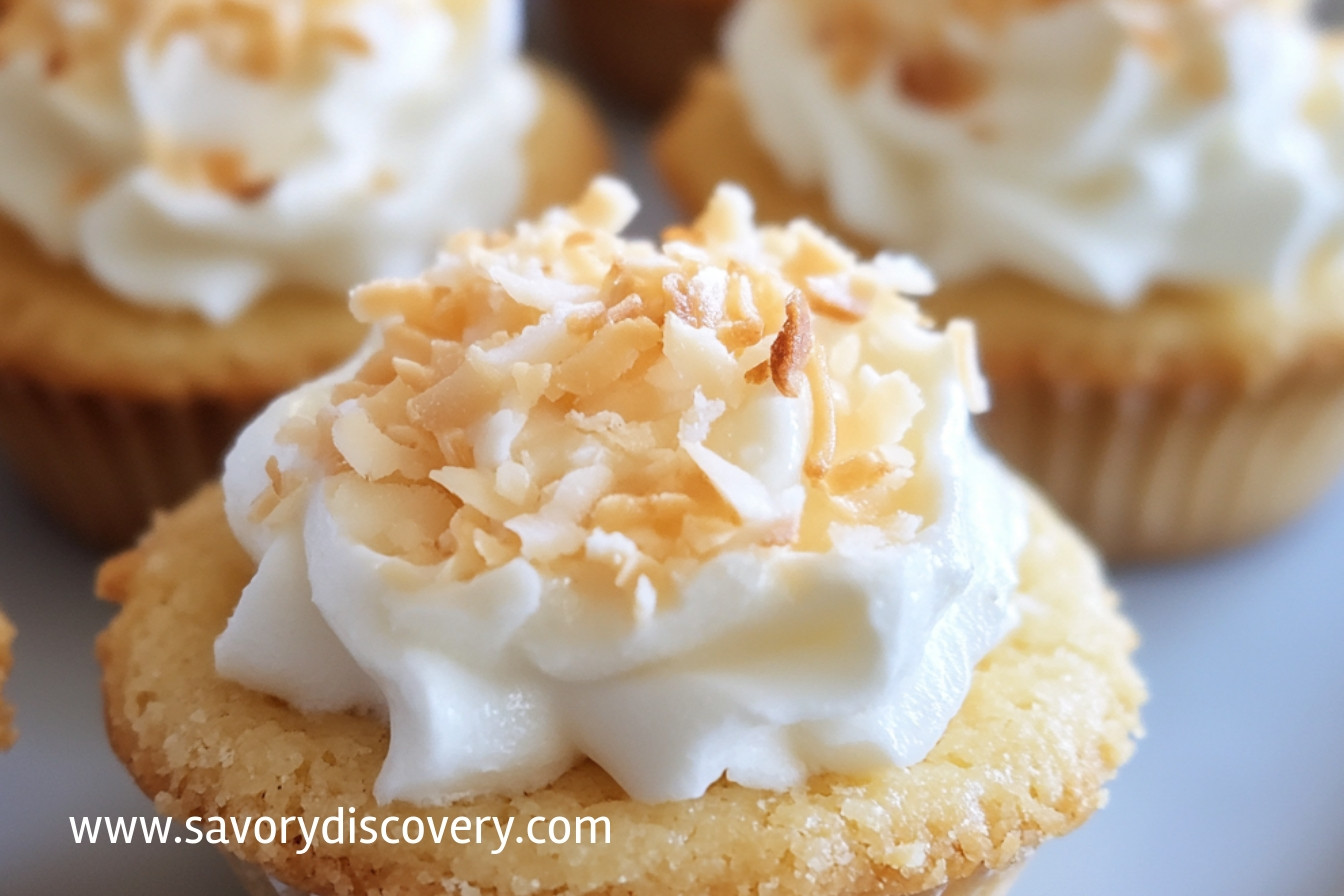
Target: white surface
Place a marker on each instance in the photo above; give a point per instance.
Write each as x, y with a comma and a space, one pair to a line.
1238, 789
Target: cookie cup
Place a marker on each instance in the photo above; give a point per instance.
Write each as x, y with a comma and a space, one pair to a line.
641, 51
1050, 716
109, 410
1196, 419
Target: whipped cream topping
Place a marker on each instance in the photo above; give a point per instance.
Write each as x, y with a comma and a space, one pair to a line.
700, 509
1098, 147
196, 155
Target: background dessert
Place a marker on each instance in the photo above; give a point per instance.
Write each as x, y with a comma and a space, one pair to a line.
1145, 225
581, 497
190, 190
640, 50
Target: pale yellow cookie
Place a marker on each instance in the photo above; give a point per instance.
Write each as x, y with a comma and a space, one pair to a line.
1051, 715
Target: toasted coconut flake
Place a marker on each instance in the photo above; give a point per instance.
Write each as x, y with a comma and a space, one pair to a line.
737, 335
627, 308
700, 360
608, 204
411, 300
365, 447
460, 399
455, 447
535, 290
961, 333
584, 319
417, 377
706, 535
885, 412
792, 347
829, 296
727, 217
758, 374
661, 513
615, 431
474, 488
859, 472
494, 550
618, 551
821, 445
748, 497
903, 274
678, 289
531, 381
612, 351
680, 234
513, 481
555, 530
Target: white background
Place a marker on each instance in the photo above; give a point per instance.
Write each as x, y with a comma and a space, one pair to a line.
1238, 789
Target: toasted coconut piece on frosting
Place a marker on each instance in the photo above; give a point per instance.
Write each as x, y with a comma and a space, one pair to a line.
601, 406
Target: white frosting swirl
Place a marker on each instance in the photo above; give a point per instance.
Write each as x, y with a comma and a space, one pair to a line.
1091, 160
350, 172
844, 648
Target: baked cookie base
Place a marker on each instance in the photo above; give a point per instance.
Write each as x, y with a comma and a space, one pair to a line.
110, 411
1192, 422
1051, 715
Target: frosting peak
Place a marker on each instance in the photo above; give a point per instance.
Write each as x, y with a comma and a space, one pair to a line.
711, 506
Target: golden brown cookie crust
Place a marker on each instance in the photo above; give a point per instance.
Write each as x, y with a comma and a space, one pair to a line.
1049, 718
63, 329
1176, 335
7, 732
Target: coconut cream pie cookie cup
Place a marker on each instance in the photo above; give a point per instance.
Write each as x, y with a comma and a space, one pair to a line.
7, 732
189, 189
1139, 204
693, 537
642, 50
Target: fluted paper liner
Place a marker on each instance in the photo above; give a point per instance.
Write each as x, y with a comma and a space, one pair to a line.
102, 464
986, 883
1154, 472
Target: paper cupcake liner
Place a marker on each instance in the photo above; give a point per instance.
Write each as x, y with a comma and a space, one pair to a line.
1161, 472
642, 51
985, 883
102, 464
7, 732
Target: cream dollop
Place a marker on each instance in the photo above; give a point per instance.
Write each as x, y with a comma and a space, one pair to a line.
711, 508
184, 172
1099, 147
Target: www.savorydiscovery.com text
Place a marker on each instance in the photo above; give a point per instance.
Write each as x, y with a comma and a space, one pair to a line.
302, 833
